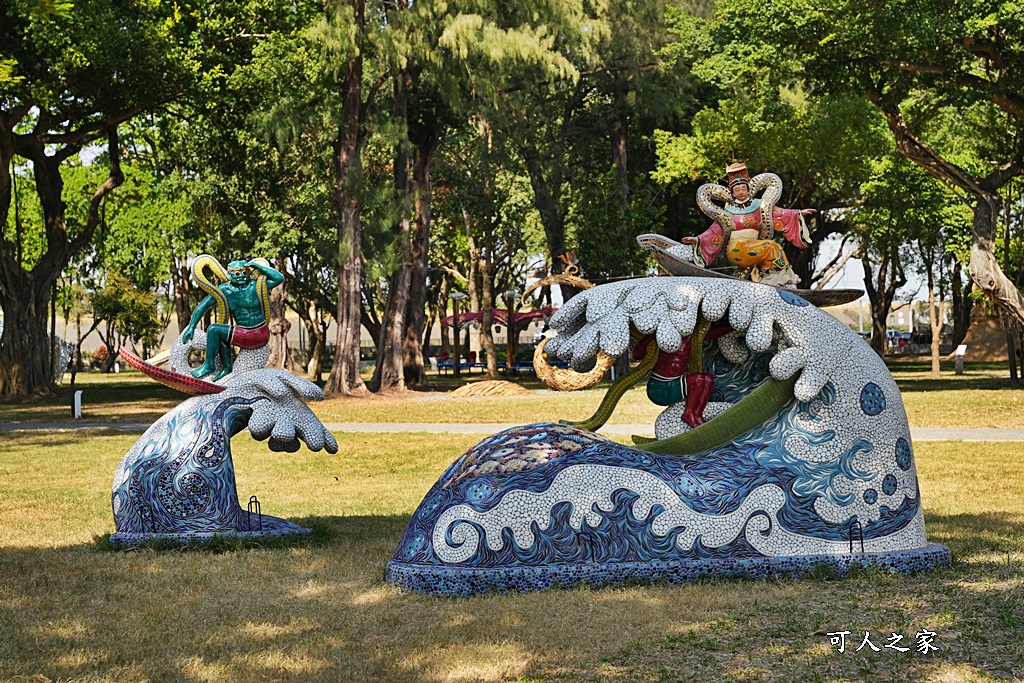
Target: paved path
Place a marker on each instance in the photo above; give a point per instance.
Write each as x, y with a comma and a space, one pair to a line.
917, 433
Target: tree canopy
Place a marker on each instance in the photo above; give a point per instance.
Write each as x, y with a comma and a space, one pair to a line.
386, 154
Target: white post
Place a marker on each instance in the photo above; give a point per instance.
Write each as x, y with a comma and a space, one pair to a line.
960, 351
76, 409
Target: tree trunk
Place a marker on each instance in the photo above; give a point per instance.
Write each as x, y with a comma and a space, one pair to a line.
1020, 348
78, 341
24, 358
487, 321
113, 348
619, 134
962, 303
442, 312
547, 193
279, 326
1011, 351
368, 312
984, 269
487, 265
25, 348
473, 267
881, 285
415, 373
180, 285
315, 366
389, 375
344, 378
934, 321
435, 314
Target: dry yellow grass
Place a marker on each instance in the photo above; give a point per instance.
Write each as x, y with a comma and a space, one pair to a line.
634, 408
320, 612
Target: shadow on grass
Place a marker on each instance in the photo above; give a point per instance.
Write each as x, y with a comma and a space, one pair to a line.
131, 399
321, 535
319, 611
970, 535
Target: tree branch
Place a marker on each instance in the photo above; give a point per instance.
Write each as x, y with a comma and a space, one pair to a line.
834, 266
89, 131
1011, 102
240, 35
917, 150
114, 179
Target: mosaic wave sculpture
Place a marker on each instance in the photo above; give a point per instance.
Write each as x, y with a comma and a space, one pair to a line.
178, 481
827, 478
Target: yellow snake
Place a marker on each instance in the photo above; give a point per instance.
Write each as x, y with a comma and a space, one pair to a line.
262, 289
199, 266
557, 378
220, 275
569, 277
568, 380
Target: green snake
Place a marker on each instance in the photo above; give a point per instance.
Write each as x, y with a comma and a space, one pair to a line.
618, 389
767, 399
754, 409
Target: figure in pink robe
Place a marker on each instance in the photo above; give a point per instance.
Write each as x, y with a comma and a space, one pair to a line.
748, 245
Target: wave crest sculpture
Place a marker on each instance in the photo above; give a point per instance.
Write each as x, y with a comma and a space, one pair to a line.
177, 482
804, 458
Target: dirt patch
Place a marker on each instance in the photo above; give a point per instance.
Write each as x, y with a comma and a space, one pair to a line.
986, 340
493, 387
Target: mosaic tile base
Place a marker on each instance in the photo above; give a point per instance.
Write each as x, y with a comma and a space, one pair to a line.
468, 581
178, 481
132, 540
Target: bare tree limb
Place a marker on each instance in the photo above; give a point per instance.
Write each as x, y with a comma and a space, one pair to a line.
835, 265
114, 179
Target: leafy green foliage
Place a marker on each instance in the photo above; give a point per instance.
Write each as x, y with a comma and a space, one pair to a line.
133, 312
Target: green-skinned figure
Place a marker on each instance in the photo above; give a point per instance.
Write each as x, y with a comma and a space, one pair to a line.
244, 303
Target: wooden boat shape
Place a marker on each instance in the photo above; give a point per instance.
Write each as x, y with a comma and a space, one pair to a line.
660, 246
169, 378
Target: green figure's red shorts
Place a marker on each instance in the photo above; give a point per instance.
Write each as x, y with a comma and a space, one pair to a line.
254, 338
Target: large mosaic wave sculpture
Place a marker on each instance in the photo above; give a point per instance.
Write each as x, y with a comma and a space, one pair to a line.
804, 458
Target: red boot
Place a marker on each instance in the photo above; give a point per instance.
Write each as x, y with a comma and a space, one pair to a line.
698, 391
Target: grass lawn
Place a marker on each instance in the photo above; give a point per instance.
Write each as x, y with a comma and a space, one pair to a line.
982, 397
320, 612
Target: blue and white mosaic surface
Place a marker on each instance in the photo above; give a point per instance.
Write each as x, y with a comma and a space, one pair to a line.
178, 481
552, 504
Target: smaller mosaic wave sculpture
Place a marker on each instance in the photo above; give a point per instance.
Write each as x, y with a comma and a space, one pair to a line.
792, 451
177, 483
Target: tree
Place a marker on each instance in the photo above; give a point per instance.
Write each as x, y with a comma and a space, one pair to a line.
343, 40
73, 78
822, 145
902, 207
129, 314
445, 57
964, 57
